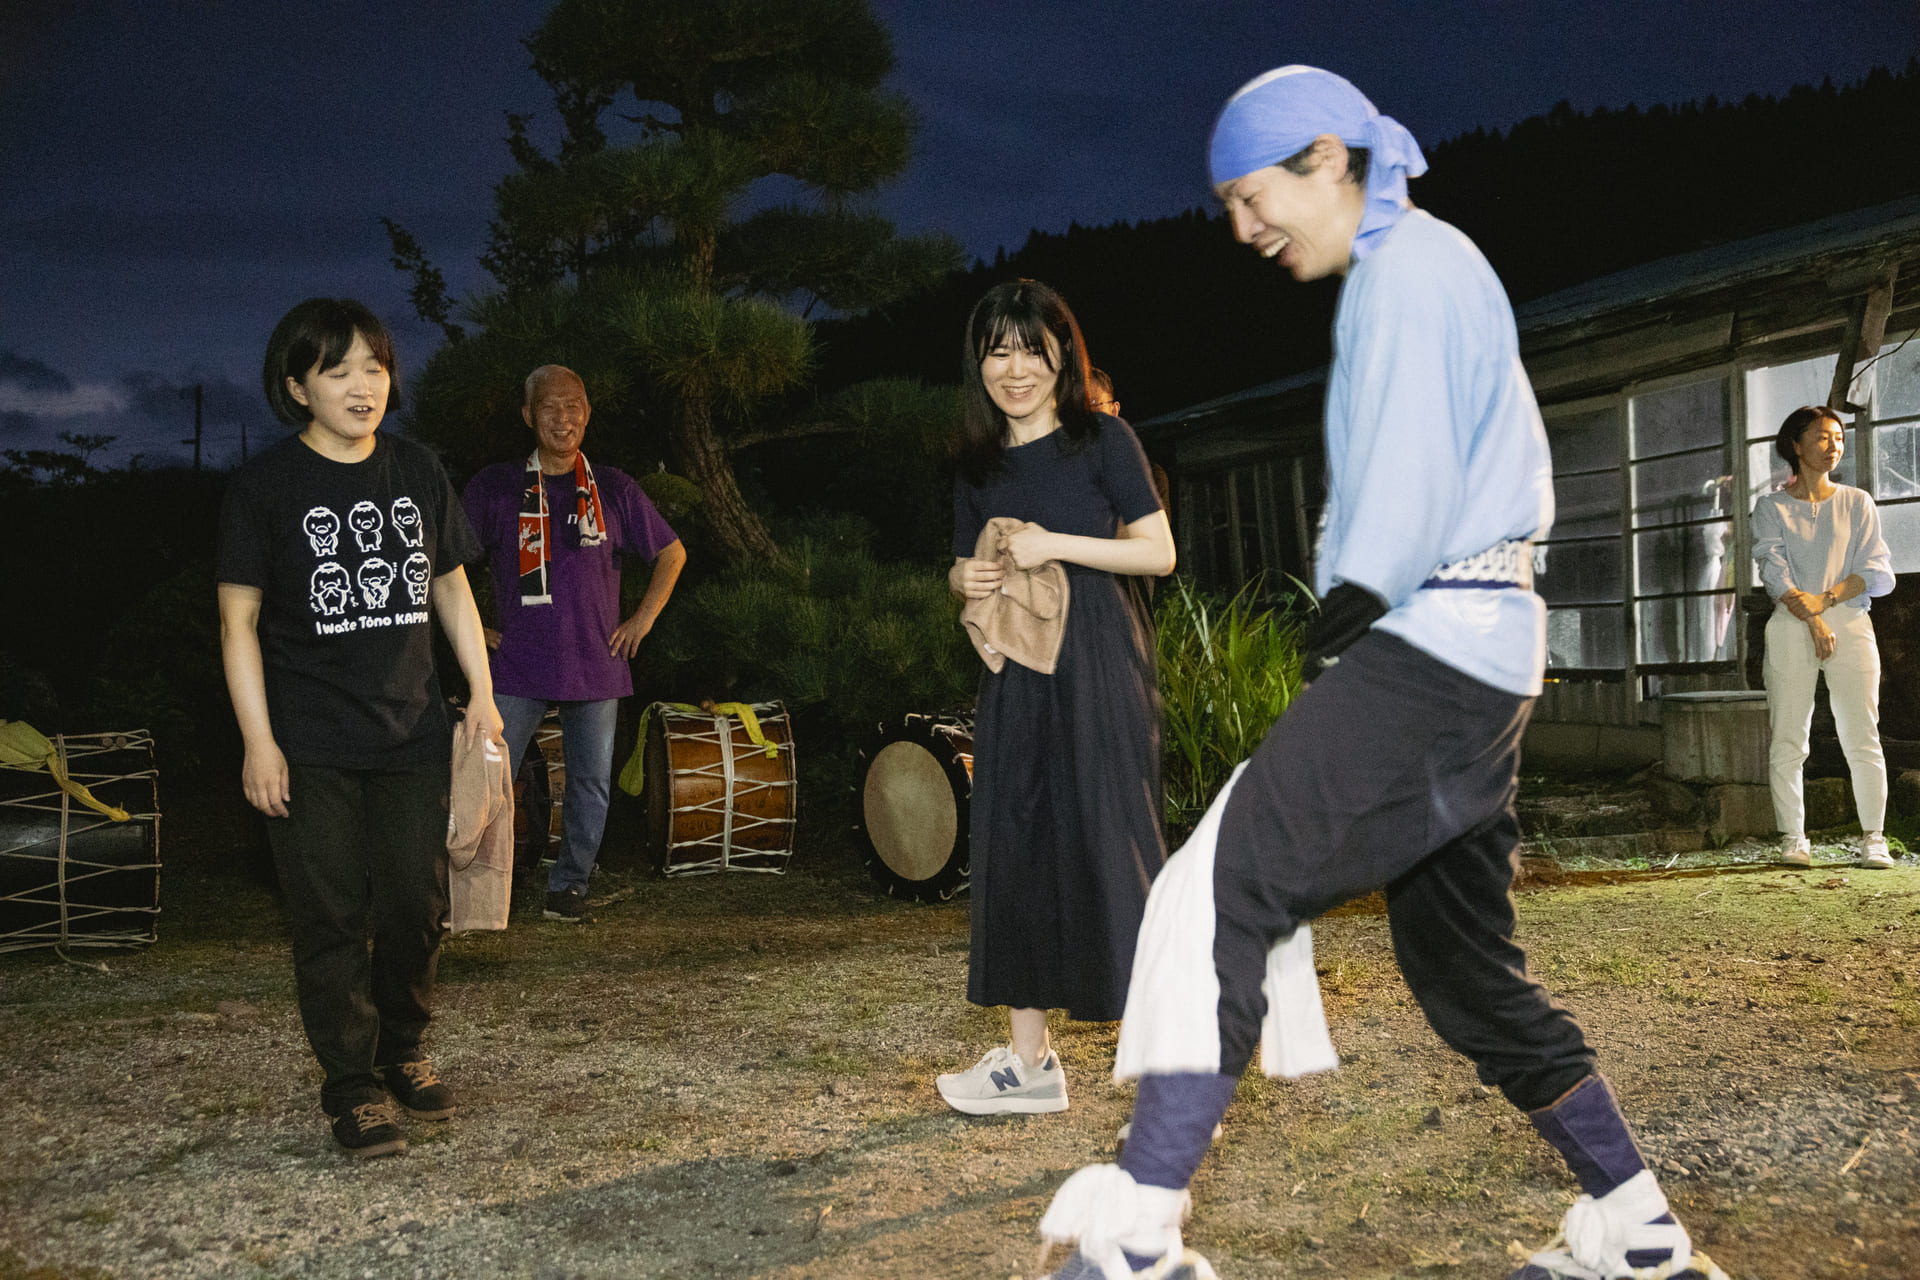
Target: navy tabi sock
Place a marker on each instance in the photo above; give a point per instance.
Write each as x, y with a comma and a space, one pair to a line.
1173, 1122
1586, 1127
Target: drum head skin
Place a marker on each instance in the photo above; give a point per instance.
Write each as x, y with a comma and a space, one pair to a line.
914, 806
911, 813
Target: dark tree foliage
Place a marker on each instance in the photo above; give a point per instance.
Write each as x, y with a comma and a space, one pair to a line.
628, 262
1178, 313
1566, 197
116, 626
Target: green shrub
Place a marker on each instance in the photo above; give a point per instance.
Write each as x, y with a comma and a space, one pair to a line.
1227, 670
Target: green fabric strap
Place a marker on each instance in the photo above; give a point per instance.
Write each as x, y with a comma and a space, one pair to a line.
24, 747
633, 775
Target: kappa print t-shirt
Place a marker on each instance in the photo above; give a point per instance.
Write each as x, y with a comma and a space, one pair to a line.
344, 554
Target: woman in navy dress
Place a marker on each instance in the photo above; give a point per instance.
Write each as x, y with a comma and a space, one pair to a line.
1066, 810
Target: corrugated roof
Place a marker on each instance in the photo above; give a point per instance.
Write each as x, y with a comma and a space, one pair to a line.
1723, 265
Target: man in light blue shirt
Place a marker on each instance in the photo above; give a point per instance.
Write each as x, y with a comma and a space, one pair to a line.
1398, 766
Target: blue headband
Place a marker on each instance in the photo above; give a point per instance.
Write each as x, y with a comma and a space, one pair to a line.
1279, 114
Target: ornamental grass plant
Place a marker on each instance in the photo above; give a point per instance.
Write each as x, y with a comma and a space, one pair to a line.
1228, 668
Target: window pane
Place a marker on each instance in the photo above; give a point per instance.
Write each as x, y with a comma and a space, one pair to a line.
1586, 504
1899, 462
1896, 381
1585, 571
1900, 526
1680, 418
1692, 629
1693, 558
1584, 638
1774, 393
1767, 470
1584, 441
1689, 487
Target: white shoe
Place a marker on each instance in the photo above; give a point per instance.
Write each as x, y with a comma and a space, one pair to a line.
1001, 1084
1795, 852
1874, 852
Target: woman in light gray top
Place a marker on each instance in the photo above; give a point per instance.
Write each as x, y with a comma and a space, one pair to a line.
1821, 556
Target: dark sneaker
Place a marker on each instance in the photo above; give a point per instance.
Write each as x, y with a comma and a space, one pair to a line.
369, 1129
569, 905
415, 1087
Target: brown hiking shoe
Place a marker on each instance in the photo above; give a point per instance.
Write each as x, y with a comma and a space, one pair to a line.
369, 1129
416, 1087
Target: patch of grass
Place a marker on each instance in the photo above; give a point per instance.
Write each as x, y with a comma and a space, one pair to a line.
1816, 993
824, 1062
1621, 968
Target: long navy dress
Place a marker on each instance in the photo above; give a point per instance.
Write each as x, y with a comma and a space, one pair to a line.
1066, 811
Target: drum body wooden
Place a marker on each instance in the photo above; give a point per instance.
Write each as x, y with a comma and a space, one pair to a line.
100, 885
539, 790
914, 806
715, 800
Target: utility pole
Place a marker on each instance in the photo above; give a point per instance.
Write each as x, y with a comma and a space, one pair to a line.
198, 390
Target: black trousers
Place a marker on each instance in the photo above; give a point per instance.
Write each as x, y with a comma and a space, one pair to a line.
1394, 770
362, 855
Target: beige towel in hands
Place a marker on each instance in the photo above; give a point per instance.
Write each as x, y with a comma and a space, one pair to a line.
480, 835
1027, 617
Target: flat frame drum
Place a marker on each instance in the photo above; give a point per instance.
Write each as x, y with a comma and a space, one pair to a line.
914, 809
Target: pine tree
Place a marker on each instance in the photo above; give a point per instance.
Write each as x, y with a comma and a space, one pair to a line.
627, 262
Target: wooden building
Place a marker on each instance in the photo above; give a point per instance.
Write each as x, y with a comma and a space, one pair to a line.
1662, 388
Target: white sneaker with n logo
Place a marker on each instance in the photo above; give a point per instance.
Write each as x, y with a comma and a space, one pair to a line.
1001, 1084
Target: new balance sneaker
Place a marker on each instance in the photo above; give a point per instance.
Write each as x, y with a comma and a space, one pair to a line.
416, 1087
1795, 852
569, 905
1874, 852
369, 1129
1001, 1084
1181, 1264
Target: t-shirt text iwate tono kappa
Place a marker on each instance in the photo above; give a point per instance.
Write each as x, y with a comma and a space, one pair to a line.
345, 555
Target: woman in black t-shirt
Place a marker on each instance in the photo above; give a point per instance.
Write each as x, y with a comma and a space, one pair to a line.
335, 547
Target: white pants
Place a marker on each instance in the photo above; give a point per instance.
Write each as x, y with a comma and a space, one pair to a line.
1853, 689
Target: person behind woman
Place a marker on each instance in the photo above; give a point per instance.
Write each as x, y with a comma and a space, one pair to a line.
1066, 808
1821, 556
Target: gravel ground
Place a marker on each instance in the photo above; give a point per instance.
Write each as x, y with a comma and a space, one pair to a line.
733, 1078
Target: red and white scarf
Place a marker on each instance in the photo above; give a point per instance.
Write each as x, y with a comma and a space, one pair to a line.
536, 525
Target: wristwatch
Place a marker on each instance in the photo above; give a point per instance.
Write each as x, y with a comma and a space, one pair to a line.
1828, 599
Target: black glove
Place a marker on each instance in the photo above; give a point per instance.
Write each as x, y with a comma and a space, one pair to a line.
1347, 613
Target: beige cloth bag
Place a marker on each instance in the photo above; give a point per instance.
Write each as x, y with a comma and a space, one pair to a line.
480, 836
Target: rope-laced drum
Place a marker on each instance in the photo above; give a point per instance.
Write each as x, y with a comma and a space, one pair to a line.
914, 799
717, 800
72, 877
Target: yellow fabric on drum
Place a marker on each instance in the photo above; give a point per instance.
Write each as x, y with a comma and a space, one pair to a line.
23, 746
633, 774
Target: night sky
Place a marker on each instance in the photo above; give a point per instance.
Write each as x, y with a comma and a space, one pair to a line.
175, 173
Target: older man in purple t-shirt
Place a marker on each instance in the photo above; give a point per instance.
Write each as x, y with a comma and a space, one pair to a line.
553, 526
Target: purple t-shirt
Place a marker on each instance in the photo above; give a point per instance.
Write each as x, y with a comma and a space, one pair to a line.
558, 652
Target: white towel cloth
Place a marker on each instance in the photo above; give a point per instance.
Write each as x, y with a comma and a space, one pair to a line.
1172, 1016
